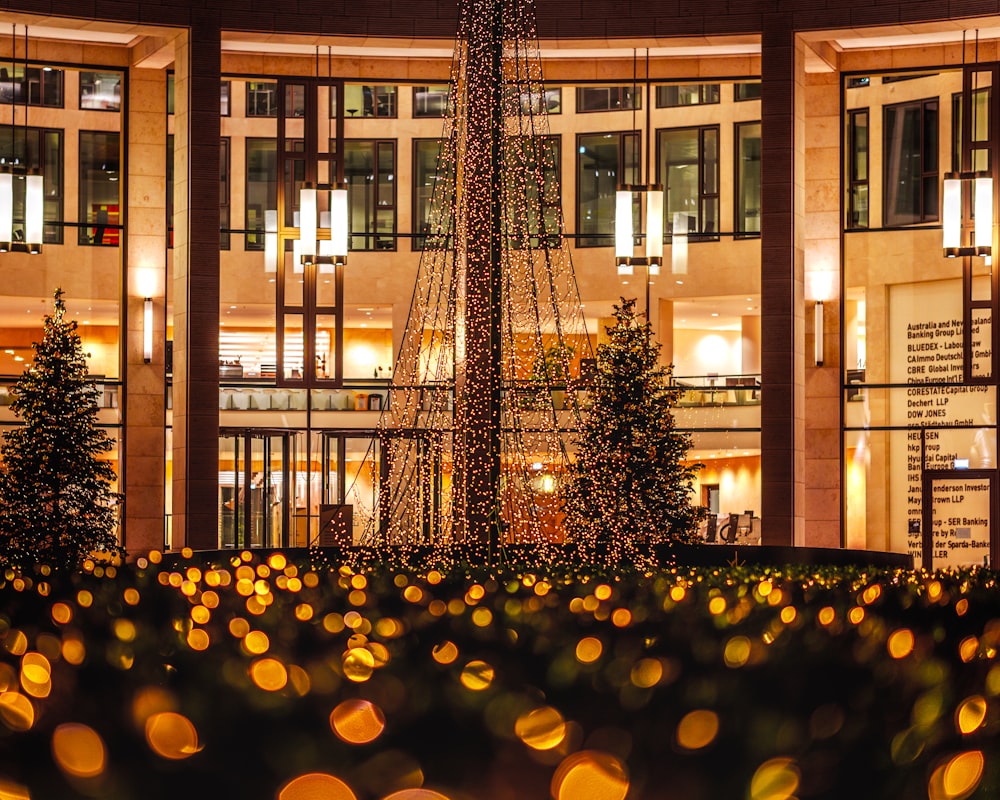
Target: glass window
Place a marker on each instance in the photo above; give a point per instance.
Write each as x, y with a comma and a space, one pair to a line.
910, 157
224, 193
747, 177
687, 94
170, 93
100, 188
37, 149
547, 99
747, 91
603, 161
607, 98
369, 169
101, 91
431, 101
261, 188
859, 83
262, 99
689, 170
224, 93
426, 182
369, 101
539, 164
34, 86
857, 168
979, 142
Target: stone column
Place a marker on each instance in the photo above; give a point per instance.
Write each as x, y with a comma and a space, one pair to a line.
196, 284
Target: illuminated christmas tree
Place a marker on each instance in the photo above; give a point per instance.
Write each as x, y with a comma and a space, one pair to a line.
57, 505
630, 484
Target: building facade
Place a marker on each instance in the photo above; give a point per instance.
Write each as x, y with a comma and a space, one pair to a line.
839, 369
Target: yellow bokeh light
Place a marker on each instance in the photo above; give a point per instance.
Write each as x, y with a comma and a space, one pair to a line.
16, 643
968, 648
590, 775
358, 664
277, 561
124, 630
445, 653
475, 593
776, 779
244, 587
131, 596
697, 729
198, 639
962, 607
353, 620
200, 615
603, 592
238, 627
62, 613
16, 711
477, 676
826, 616
413, 594
78, 750
621, 618
871, 594
256, 643
73, 651
788, 614
357, 721
269, 674
299, 679
716, 606
958, 778
84, 599
416, 794
737, 652
13, 791
35, 668
171, 735
541, 728
359, 582
970, 714
148, 701
588, 650
856, 615
934, 590
316, 786
646, 673
482, 617
303, 612
677, 593
764, 588
900, 643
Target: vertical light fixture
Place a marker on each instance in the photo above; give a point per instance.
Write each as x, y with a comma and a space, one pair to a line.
979, 185
654, 229
7, 166
34, 193
271, 240
818, 333
147, 330
307, 223
624, 237
679, 244
338, 225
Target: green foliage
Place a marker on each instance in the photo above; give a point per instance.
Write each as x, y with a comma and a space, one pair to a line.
629, 484
57, 506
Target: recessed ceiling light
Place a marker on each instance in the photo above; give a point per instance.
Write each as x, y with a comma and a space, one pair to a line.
680, 283
232, 306
715, 313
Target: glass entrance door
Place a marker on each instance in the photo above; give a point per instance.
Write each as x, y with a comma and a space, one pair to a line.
253, 478
350, 478
958, 528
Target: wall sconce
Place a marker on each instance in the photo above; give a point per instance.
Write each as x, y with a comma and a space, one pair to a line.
147, 330
818, 333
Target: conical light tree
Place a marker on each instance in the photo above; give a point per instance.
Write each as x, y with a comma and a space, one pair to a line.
630, 485
57, 504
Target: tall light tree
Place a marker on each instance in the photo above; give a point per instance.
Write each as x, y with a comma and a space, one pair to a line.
630, 484
57, 503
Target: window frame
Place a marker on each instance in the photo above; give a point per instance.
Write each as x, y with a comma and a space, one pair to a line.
739, 219
855, 183
629, 98
83, 213
926, 176
376, 238
582, 240
704, 197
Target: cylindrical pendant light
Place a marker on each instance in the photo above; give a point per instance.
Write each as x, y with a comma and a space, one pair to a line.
984, 215
951, 213
654, 230
679, 248
307, 222
624, 238
6, 210
338, 225
34, 212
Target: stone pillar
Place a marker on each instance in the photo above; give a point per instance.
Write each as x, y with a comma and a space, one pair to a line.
196, 284
782, 332
144, 407
750, 345
822, 272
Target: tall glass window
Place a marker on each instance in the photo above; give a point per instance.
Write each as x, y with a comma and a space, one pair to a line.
100, 188
261, 188
370, 172
540, 225
426, 181
747, 177
910, 158
262, 99
603, 161
857, 168
224, 193
689, 170
38, 149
